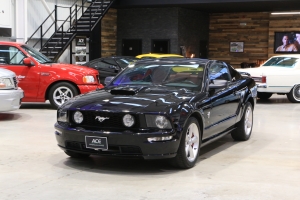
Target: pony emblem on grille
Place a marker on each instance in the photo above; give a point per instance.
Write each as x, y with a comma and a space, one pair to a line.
101, 119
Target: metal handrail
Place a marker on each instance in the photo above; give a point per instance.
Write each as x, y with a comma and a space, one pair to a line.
71, 28
55, 22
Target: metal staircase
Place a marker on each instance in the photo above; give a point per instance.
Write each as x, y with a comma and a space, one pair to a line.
84, 15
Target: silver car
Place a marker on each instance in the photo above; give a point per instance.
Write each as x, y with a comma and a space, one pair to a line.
10, 94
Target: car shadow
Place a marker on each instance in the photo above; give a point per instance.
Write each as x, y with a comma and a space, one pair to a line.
36, 106
274, 99
10, 116
129, 166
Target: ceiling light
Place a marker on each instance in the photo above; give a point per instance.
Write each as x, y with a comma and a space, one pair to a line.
285, 13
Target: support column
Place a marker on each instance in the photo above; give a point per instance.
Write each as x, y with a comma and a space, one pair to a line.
21, 21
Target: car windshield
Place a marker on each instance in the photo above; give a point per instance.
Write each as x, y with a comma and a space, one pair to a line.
123, 62
187, 75
288, 62
38, 56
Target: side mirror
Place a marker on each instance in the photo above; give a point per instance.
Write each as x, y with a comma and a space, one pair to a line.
108, 79
27, 62
218, 84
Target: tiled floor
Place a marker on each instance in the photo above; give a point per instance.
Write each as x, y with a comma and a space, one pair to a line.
265, 167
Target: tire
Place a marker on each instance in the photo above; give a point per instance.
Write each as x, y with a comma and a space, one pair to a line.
77, 155
264, 95
294, 95
60, 93
189, 147
244, 127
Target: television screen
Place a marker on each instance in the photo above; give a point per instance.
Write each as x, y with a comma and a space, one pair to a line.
287, 42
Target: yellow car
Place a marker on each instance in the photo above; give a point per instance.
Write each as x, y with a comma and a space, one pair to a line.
157, 55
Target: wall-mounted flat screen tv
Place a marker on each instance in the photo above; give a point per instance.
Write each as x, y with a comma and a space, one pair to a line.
287, 42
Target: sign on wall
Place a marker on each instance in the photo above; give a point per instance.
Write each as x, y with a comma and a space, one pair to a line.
80, 50
5, 13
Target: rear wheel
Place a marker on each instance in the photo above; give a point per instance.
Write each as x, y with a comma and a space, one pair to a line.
188, 150
264, 95
61, 93
244, 127
77, 155
294, 94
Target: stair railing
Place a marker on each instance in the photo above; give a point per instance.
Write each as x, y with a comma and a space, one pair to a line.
102, 10
41, 29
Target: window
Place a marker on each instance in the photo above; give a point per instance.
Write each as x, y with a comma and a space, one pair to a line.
219, 71
288, 62
11, 55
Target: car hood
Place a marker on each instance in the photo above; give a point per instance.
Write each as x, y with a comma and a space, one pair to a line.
259, 71
130, 99
74, 68
6, 73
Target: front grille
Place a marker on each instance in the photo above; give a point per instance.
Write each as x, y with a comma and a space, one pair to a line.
114, 120
15, 82
112, 149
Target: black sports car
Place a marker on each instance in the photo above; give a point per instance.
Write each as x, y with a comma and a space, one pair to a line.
110, 66
166, 108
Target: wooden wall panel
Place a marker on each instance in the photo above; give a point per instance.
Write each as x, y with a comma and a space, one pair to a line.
281, 23
250, 28
109, 33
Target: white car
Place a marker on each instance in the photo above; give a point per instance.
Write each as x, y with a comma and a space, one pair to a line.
10, 94
278, 75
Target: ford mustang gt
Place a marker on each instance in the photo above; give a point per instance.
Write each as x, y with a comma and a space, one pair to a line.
164, 108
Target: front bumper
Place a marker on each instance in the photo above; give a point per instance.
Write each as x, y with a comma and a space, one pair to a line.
10, 99
261, 85
125, 143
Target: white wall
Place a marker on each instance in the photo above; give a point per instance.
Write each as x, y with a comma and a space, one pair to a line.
36, 14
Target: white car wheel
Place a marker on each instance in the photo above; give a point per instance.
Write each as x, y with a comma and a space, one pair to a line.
61, 93
189, 147
294, 94
244, 126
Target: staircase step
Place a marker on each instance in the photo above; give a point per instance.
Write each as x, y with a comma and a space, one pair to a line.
93, 14
83, 21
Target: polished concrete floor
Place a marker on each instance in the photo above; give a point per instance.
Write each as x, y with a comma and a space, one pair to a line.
265, 167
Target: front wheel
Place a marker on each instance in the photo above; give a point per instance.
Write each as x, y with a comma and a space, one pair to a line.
188, 150
294, 94
61, 93
244, 127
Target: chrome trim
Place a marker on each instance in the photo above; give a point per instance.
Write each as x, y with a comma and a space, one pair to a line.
261, 85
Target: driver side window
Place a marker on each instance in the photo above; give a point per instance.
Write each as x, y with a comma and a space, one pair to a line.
219, 71
11, 55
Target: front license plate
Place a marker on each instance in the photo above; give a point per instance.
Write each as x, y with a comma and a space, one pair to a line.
93, 142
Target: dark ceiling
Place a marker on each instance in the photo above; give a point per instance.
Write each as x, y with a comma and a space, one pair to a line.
213, 6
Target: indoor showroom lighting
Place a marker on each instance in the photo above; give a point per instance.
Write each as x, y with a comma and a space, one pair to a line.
285, 13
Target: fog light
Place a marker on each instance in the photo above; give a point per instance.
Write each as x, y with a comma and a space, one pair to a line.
78, 117
128, 120
156, 139
162, 122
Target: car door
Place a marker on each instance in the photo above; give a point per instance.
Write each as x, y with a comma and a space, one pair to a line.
28, 76
224, 101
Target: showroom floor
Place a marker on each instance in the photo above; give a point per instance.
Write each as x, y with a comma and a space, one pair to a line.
265, 167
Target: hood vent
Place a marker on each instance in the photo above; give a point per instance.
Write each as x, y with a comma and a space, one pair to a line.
126, 90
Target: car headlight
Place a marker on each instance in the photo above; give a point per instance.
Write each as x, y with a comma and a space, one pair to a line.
158, 121
78, 117
128, 120
89, 79
62, 116
6, 83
